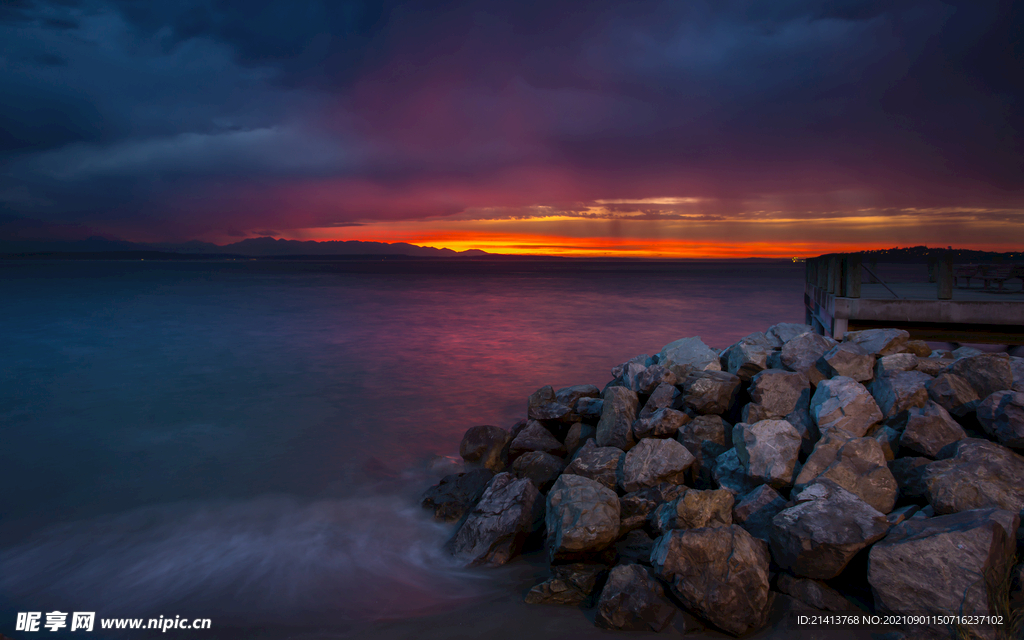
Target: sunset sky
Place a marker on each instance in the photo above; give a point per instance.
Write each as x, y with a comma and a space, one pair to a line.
579, 127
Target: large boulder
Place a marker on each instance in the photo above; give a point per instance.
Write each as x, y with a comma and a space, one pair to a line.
729, 473
582, 517
651, 378
779, 334
495, 529
860, 467
898, 391
653, 461
600, 464
881, 342
826, 526
632, 599
889, 439
540, 468
843, 403
615, 429
847, 359
768, 451
577, 436
664, 396
590, 409
544, 405
780, 393
754, 512
710, 392
693, 510
823, 455
978, 474
1002, 416
896, 362
487, 446
570, 584
635, 508
535, 437
943, 565
456, 494
953, 393
719, 573
688, 354
802, 353
747, 357
929, 429
663, 423
986, 373
570, 396
705, 436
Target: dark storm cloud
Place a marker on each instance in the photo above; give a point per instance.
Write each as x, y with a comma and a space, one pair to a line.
195, 116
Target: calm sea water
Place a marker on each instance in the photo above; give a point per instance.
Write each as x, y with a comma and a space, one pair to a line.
246, 440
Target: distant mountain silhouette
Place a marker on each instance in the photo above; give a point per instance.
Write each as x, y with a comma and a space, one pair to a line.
253, 247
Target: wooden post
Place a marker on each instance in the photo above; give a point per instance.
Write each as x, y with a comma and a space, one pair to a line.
822, 272
945, 269
833, 274
852, 271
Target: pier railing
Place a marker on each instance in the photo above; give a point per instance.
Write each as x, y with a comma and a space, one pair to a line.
841, 274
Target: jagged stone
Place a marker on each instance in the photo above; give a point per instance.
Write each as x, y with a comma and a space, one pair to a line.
496, 528
823, 455
635, 546
747, 357
1002, 416
895, 362
881, 342
781, 333
615, 429
710, 392
931, 366
919, 348
578, 434
768, 451
590, 409
535, 437
754, 512
814, 593
632, 599
860, 467
696, 434
687, 355
802, 353
600, 464
889, 439
543, 405
582, 517
826, 526
847, 359
898, 391
653, 377
954, 394
929, 429
664, 396
843, 403
653, 461
719, 573
729, 473
978, 474
456, 494
903, 513
487, 446
570, 584
663, 423
635, 508
1017, 369
694, 509
780, 393
986, 373
540, 468
909, 474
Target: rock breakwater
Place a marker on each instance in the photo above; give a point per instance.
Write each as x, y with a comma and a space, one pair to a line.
871, 475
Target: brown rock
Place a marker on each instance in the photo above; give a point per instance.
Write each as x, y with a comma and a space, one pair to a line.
663, 423
635, 508
653, 461
881, 342
710, 392
582, 517
1002, 416
487, 446
954, 394
633, 600
929, 429
540, 468
496, 528
898, 391
847, 359
456, 494
768, 451
979, 474
756, 510
843, 403
615, 429
535, 437
600, 464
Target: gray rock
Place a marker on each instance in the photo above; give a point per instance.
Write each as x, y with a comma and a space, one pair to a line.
570, 396
754, 512
943, 565
631, 374
615, 429
847, 359
635, 508
929, 429
663, 423
803, 422
702, 431
619, 371
487, 446
775, 360
664, 396
780, 393
954, 394
456, 494
653, 461
895, 362
600, 464
719, 573
543, 405
909, 474
823, 455
1017, 368
889, 439
881, 342
814, 593
729, 473
652, 377
843, 403
978, 475
966, 352
781, 333
860, 467
898, 391
1002, 416
802, 353
687, 355
986, 373
819, 535
693, 510
590, 409
632, 599
710, 392
571, 584
747, 357
540, 468
535, 437
577, 435
768, 451
582, 517
496, 528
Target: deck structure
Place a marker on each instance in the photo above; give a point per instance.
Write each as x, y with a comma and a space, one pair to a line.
838, 298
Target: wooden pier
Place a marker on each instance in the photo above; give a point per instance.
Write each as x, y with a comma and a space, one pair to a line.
842, 294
